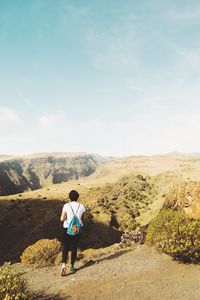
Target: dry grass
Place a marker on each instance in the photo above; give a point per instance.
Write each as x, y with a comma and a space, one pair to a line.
41, 254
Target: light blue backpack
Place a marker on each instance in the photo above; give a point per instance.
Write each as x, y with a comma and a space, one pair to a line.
74, 227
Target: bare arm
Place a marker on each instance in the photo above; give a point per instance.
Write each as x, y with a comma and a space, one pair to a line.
63, 216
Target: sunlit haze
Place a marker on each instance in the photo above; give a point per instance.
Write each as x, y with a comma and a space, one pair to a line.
110, 77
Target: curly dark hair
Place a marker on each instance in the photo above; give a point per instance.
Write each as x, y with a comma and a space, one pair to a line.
73, 195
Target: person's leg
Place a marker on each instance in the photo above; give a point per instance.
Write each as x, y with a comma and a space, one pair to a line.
65, 250
74, 247
65, 246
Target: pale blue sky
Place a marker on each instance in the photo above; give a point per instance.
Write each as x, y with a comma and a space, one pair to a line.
112, 77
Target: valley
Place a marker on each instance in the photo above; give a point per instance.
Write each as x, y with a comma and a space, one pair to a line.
120, 194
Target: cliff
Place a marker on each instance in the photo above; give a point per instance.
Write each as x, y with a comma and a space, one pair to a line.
30, 173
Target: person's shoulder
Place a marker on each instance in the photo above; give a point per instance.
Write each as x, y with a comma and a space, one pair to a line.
82, 206
66, 205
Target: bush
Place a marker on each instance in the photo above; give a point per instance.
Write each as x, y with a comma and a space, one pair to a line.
12, 287
176, 234
41, 254
122, 198
126, 221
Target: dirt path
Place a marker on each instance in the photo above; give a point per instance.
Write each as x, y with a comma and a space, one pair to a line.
140, 274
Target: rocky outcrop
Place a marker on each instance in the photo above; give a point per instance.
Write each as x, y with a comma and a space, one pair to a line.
19, 175
185, 196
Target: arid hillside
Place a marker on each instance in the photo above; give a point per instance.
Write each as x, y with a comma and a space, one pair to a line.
112, 208
184, 166
119, 195
33, 172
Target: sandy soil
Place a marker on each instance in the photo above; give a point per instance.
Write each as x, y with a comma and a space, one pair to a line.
139, 274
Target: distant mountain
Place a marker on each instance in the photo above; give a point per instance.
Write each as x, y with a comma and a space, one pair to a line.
5, 157
185, 165
35, 171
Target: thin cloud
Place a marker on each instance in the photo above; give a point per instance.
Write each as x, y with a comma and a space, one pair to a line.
186, 15
118, 51
52, 120
80, 13
115, 45
26, 100
8, 115
48, 120
191, 57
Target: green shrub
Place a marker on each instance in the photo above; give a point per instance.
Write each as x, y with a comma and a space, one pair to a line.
12, 287
125, 198
126, 221
176, 234
41, 254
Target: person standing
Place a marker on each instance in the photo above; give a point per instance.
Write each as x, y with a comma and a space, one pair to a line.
70, 242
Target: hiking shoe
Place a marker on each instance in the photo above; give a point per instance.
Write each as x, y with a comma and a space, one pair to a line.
63, 271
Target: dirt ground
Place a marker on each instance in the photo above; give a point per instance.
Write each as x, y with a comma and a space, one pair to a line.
139, 274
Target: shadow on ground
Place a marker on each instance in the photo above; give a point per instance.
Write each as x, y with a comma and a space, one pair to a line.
43, 296
107, 257
23, 222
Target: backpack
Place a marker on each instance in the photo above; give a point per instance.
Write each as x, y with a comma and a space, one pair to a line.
74, 227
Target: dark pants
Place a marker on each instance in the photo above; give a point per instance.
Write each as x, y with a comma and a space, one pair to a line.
69, 243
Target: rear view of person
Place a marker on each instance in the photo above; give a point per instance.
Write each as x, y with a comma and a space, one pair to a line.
71, 217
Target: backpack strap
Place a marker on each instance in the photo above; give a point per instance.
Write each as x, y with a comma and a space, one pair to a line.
73, 210
78, 208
